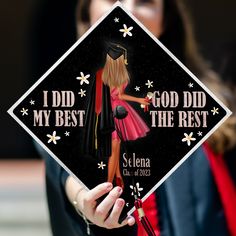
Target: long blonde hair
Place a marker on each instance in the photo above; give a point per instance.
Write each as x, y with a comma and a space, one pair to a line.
115, 73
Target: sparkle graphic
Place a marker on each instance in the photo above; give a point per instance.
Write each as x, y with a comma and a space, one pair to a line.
32, 102
101, 165
199, 133
24, 112
137, 88
82, 93
126, 31
190, 85
188, 138
215, 111
116, 20
53, 138
149, 84
83, 78
67, 133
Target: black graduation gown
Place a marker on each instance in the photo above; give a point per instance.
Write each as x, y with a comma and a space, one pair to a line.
99, 123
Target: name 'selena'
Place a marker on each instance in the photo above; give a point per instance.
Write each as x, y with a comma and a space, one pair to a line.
133, 161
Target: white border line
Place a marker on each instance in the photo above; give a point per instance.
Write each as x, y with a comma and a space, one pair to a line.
228, 112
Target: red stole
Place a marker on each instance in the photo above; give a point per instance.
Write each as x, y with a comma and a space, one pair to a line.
225, 186
98, 102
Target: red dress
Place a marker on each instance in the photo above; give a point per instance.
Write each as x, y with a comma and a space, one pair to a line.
132, 126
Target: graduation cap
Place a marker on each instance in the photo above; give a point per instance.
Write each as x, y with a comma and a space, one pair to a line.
115, 50
145, 162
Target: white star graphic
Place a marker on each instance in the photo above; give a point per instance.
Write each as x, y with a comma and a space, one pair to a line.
199, 133
32, 102
24, 112
188, 138
126, 31
101, 165
53, 138
190, 85
82, 93
127, 204
116, 19
215, 111
149, 84
67, 133
83, 78
137, 88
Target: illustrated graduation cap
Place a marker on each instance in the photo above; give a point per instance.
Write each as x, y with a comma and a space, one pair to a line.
115, 50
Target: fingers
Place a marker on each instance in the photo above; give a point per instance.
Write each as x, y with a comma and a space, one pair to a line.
108, 212
102, 210
97, 192
88, 201
130, 220
114, 216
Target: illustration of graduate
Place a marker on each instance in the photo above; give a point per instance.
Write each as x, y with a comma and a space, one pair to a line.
105, 129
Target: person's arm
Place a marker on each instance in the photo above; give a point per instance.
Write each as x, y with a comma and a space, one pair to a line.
106, 214
123, 96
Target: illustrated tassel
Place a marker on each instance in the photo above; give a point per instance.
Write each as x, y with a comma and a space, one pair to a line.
125, 50
96, 138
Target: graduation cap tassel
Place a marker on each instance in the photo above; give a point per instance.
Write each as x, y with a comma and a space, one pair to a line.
125, 50
142, 217
96, 138
120, 113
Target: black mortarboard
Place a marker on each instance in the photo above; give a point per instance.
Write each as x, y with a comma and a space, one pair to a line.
115, 50
142, 135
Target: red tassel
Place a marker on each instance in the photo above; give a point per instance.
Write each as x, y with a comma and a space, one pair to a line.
144, 226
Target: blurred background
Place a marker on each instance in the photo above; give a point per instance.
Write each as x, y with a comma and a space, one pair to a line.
25, 28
